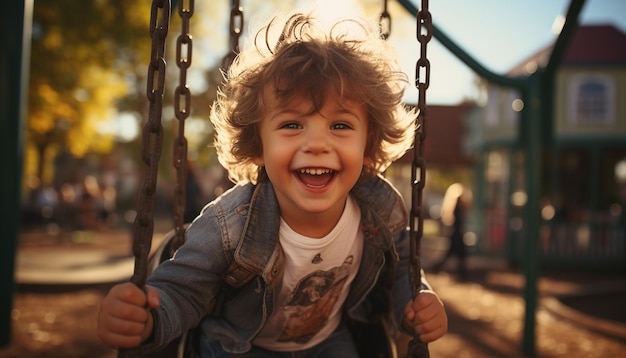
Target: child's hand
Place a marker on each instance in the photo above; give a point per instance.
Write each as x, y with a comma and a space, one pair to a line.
124, 320
426, 316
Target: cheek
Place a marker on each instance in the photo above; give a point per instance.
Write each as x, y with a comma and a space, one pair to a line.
273, 155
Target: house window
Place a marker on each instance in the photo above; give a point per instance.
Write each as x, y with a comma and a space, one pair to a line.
591, 99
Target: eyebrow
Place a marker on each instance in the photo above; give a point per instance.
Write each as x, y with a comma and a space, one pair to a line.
283, 111
342, 109
338, 110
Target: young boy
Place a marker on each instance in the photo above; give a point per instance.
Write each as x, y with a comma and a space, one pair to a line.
312, 233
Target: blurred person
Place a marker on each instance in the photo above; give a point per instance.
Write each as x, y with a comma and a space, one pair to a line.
67, 207
453, 212
89, 205
108, 206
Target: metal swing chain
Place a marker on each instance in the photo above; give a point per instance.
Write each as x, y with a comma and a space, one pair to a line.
384, 22
236, 29
418, 173
152, 140
182, 109
152, 144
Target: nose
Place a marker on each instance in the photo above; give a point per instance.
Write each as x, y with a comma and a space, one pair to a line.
316, 138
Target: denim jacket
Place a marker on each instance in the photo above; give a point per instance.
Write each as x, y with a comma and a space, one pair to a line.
242, 225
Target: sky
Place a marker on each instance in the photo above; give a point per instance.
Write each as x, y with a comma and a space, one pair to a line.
498, 34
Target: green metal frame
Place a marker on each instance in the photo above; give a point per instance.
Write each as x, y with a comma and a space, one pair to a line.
537, 96
15, 44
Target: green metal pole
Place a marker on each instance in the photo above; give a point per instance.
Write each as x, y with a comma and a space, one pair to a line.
511, 243
539, 107
15, 35
480, 198
532, 128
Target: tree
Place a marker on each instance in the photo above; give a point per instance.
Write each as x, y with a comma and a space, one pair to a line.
83, 60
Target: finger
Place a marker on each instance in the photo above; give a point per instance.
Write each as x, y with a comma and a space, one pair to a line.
420, 309
117, 332
431, 329
424, 299
114, 308
433, 335
409, 312
425, 326
129, 312
117, 308
125, 327
426, 314
129, 293
153, 297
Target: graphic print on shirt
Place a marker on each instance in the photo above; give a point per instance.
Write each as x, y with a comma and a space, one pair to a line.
311, 302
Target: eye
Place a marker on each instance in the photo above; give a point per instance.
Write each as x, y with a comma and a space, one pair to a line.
341, 125
290, 125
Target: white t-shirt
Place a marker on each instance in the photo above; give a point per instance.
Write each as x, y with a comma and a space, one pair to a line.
318, 274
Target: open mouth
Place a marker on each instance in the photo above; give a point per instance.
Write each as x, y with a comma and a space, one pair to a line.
315, 177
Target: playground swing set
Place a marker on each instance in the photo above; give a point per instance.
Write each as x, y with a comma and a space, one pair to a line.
152, 136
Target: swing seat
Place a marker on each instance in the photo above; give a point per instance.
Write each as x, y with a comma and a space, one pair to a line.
373, 340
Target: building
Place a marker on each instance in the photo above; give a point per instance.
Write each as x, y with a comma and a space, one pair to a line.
583, 180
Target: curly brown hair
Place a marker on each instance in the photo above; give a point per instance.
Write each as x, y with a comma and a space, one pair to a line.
305, 62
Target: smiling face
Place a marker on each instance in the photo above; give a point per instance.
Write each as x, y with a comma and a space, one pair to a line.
313, 157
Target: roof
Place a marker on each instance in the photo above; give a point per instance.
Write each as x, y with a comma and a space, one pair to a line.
589, 45
600, 44
445, 130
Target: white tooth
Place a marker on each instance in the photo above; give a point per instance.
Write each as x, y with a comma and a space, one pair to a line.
314, 171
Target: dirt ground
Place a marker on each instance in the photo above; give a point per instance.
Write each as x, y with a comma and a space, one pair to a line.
486, 315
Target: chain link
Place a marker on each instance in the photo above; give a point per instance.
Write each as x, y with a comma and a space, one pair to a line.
384, 22
418, 172
182, 110
236, 29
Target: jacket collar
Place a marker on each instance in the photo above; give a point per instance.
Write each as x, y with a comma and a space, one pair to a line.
260, 233
381, 204
382, 215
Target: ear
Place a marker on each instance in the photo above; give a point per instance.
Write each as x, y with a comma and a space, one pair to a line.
259, 161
